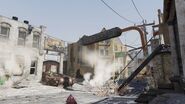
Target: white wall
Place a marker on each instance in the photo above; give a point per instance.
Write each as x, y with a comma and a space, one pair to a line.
28, 52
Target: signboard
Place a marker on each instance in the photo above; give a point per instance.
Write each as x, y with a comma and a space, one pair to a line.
120, 54
53, 44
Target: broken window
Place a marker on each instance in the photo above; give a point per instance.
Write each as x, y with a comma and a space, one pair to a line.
4, 30
36, 39
33, 67
22, 36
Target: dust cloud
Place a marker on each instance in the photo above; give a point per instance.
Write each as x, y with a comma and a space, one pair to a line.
15, 64
103, 70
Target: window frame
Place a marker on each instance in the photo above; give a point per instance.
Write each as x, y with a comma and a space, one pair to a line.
36, 44
20, 39
35, 62
6, 26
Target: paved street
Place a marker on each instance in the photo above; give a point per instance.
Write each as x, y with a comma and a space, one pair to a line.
60, 98
40, 94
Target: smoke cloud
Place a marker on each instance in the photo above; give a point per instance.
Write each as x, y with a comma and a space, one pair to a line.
15, 64
103, 70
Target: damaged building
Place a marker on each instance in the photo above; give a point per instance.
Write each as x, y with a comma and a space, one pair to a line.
55, 55
21, 54
110, 51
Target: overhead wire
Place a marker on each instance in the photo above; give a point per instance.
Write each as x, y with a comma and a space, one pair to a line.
124, 18
137, 10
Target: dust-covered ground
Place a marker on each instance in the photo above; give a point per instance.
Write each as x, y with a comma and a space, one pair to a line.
36, 93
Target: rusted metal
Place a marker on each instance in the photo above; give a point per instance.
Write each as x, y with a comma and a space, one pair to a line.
112, 33
142, 36
138, 48
53, 79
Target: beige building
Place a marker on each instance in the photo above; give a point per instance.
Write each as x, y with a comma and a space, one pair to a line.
55, 52
110, 51
21, 53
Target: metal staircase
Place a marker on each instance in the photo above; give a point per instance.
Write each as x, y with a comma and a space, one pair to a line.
159, 50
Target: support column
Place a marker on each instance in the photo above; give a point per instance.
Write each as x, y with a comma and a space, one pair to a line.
61, 63
39, 68
180, 13
174, 62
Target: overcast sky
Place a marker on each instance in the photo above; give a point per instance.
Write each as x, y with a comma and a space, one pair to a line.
71, 19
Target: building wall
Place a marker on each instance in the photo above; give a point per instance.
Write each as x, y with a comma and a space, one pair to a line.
75, 61
105, 50
18, 60
173, 31
55, 50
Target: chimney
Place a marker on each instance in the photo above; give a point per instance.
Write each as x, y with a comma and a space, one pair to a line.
26, 22
15, 18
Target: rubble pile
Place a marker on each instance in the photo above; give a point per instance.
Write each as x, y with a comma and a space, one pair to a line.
109, 88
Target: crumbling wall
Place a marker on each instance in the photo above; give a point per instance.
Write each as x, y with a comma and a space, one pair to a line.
160, 67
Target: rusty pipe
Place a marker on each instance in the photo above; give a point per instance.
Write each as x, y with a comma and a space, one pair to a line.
142, 36
112, 33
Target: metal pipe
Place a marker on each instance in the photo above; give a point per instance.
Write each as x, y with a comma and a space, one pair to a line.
142, 36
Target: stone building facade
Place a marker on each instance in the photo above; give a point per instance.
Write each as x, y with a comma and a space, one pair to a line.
55, 55
21, 53
110, 51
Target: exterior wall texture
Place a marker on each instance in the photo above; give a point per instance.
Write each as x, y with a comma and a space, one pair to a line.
105, 50
21, 61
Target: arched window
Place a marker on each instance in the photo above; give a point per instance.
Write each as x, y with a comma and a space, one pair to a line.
36, 39
4, 30
22, 36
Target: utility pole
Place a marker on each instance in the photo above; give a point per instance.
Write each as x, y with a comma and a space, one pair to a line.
145, 32
143, 26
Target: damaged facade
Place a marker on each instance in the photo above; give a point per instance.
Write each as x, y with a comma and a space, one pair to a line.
111, 51
55, 55
171, 28
21, 54
173, 31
